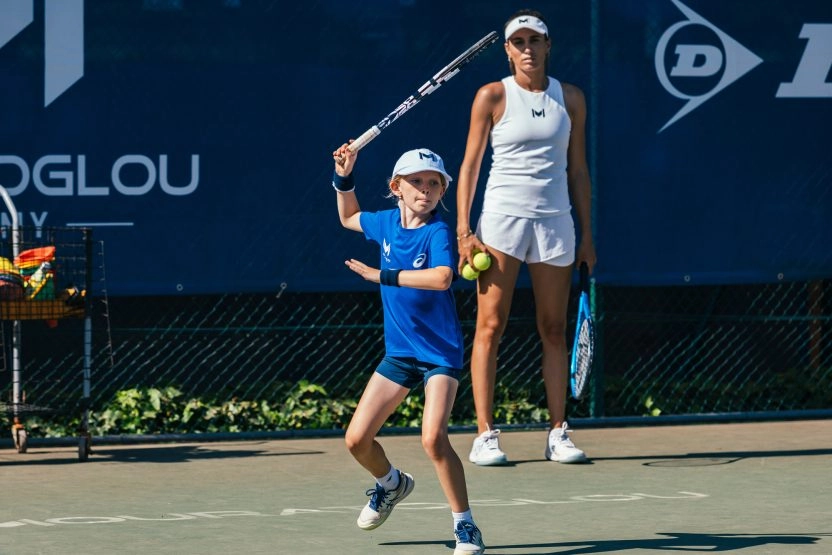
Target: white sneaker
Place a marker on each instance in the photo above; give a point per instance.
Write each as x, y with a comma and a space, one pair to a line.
381, 503
559, 447
486, 449
468, 539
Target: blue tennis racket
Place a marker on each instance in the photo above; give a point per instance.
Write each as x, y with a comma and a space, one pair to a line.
583, 347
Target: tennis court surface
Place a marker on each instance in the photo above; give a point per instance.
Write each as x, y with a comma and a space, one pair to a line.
747, 488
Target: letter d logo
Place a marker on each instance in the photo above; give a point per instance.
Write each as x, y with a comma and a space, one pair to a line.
63, 42
700, 61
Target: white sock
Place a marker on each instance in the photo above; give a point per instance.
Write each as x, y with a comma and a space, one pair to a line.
462, 517
389, 481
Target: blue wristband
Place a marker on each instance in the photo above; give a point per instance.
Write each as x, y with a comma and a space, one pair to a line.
390, 277
343, 184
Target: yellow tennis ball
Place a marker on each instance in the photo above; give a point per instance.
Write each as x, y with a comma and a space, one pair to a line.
469, 272
482, 261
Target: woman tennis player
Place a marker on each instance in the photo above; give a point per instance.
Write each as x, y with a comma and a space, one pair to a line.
538, 175
422, 335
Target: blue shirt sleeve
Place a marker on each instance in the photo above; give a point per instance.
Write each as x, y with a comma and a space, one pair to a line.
440, 247
371, 224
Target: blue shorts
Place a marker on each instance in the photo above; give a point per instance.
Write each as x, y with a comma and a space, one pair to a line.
408, 372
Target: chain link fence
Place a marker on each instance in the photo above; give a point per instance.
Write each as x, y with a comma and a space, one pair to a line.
716, 349
686, 350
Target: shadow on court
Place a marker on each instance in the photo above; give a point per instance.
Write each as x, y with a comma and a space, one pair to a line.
692, 459
159, 454
671, 542
722, 457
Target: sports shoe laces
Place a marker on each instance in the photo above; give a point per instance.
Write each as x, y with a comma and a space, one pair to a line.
563, 438
489, 439
467, 532
490, 443
378, 497
564, 441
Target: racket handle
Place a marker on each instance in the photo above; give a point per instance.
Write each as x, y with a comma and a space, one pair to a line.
584, 276
362, 141
365, 138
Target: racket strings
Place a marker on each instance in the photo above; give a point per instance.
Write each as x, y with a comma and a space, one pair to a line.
585, 346
584, 355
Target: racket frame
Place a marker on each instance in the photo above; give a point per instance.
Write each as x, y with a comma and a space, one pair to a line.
584, 316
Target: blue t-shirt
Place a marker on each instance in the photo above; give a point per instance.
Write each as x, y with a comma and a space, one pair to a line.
417, 323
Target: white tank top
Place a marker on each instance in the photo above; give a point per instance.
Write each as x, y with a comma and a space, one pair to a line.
529, 145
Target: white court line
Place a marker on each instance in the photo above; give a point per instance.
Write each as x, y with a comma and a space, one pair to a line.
288, 512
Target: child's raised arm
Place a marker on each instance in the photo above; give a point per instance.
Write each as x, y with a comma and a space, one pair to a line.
342, 180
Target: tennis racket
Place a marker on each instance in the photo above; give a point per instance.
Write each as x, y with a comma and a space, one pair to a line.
441, 77
583, 347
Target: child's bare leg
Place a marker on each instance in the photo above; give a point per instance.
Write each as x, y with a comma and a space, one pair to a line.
379, 400
440, 392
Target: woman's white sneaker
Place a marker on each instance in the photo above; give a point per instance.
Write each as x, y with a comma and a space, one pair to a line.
486, 449
559, 447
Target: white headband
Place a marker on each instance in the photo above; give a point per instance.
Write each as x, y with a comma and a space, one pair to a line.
526, 22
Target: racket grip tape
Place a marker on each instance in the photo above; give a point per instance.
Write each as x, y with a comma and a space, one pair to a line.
584, 272
362, 141
365, 138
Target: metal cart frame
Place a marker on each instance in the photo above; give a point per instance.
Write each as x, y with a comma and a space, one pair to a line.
16, 311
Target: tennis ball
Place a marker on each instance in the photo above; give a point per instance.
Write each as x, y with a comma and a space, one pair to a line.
482, 261
469, 272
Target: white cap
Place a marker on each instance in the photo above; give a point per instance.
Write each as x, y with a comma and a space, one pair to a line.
419, 160
526, 22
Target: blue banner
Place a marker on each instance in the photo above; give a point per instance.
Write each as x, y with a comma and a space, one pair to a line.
195, 138
714, 157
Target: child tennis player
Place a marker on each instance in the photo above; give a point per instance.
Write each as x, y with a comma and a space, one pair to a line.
422, 335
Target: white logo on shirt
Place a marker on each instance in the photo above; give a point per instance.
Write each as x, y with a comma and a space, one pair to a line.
385, 249
419, 260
